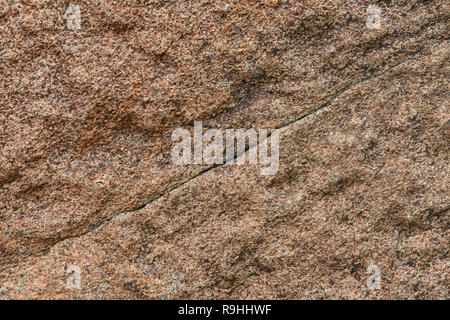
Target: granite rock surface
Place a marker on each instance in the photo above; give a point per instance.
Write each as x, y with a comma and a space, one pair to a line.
87, 180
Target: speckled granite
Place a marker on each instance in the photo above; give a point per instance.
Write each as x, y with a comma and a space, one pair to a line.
86, 176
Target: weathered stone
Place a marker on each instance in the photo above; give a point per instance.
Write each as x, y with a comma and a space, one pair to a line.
86, 177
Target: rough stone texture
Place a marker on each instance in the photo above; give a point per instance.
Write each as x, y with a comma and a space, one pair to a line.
86, 176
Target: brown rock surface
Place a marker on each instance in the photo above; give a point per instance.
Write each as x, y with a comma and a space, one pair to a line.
86, 176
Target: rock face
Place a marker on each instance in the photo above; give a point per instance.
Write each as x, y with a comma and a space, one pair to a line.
87, 178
